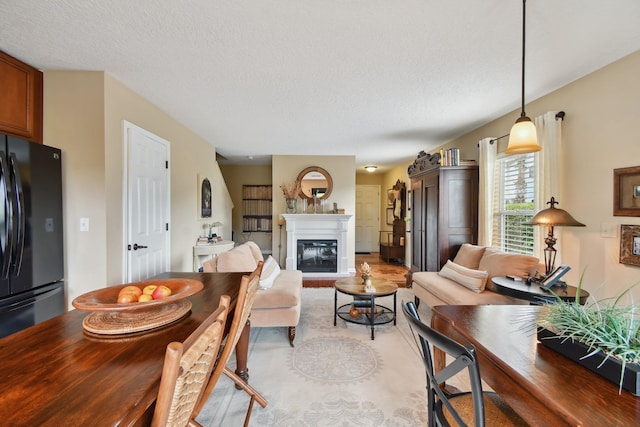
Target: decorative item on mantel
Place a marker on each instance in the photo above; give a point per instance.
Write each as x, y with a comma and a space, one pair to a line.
291, 191
365, 273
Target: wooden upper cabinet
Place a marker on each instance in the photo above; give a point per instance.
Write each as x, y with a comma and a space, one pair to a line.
20, 99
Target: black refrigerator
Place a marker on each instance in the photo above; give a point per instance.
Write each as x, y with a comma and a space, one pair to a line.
31, 245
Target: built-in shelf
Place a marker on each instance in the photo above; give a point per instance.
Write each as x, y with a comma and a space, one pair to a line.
257, 208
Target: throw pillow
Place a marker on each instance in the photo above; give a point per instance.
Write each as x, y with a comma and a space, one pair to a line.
467, 277
239, 259
498, 263
270, 270
469, 255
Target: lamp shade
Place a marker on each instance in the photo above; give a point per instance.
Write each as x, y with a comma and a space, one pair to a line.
555, 217
523, 137
552, 217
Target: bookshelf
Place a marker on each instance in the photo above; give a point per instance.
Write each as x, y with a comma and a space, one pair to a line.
257, 208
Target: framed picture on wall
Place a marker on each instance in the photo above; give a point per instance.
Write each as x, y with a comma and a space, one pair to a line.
626, 191
391, 197
630, 244
204, 192
390, 216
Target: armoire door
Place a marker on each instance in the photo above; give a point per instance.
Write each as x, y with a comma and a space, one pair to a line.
417, 227
431, 196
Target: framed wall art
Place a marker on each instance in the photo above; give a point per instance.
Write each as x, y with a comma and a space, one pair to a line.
626, 191
630, 244
391, 197
204, 197
390, 216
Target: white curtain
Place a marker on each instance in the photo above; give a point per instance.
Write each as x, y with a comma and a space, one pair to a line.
487, 159
549, 178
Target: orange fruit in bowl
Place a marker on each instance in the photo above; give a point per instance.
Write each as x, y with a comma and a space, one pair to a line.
131, 289
145, 298
127, 297
148, 290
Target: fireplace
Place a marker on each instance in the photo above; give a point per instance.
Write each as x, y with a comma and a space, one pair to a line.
317, 244
317, 256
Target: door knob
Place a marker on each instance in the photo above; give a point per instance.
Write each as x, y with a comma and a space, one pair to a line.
137, 246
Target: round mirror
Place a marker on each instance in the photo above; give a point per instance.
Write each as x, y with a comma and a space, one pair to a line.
315, 181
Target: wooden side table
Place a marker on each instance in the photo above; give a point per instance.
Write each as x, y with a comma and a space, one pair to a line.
534, 293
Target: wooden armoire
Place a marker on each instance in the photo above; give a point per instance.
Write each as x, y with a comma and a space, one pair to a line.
444, 211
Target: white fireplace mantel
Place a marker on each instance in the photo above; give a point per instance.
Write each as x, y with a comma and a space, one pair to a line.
320, 227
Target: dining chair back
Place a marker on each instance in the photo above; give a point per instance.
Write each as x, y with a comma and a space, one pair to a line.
187, 367
476, 407
246, 296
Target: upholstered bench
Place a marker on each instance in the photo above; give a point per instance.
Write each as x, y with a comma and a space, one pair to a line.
467, 279
278, 300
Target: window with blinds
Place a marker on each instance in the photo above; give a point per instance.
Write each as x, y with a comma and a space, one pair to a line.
513, 203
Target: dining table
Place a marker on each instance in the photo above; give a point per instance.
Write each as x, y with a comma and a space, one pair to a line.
57, 374
544, 387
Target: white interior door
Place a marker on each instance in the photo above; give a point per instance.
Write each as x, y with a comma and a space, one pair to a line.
147, 204
367, 217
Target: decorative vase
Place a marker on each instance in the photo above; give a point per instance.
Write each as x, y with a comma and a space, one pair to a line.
291, 205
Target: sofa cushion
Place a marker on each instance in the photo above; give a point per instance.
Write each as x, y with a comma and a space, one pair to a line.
270, 271
474, 280
210, 265
255, 250
469, 255
285, 292
498, 263
435, 290
239, 258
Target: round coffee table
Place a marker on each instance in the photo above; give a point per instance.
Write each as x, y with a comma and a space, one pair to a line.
534, 293
369, 313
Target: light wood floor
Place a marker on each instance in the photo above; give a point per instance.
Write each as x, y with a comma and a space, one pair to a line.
379, 268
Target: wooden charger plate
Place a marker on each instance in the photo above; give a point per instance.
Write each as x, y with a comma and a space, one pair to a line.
110, 318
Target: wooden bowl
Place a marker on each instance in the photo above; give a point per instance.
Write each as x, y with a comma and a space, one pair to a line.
106, 299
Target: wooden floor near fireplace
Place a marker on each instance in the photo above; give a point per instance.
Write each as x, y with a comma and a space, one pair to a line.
379, 267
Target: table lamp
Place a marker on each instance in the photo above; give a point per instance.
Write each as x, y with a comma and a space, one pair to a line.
552, 217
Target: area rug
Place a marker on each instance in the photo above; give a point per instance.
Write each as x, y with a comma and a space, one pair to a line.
334, 376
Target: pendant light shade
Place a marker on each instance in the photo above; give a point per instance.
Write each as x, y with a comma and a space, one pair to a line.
523, 137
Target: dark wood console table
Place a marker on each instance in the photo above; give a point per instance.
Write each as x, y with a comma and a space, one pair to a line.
53, 374
544, 387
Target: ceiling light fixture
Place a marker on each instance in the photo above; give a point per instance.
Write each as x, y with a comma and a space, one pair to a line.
371, 168
523, 137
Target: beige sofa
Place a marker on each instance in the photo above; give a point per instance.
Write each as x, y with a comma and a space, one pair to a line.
467, 279
278, 300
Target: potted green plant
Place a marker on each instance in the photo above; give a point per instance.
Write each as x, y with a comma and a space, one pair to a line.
603, 336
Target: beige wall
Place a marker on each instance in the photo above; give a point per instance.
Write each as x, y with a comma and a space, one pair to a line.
84, 113
599, 135
343, 172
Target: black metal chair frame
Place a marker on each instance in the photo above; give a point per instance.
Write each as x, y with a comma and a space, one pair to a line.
465, 358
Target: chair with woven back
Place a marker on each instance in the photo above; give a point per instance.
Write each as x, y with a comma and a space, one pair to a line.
187, 367
476, 407
248, 289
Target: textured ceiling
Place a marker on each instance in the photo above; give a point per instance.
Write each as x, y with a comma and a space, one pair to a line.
377, 79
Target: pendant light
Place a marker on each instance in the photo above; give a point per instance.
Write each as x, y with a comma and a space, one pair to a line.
523, 137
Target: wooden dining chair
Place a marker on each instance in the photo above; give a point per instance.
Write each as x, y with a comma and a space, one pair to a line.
476, 407
187, 367
248, 288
